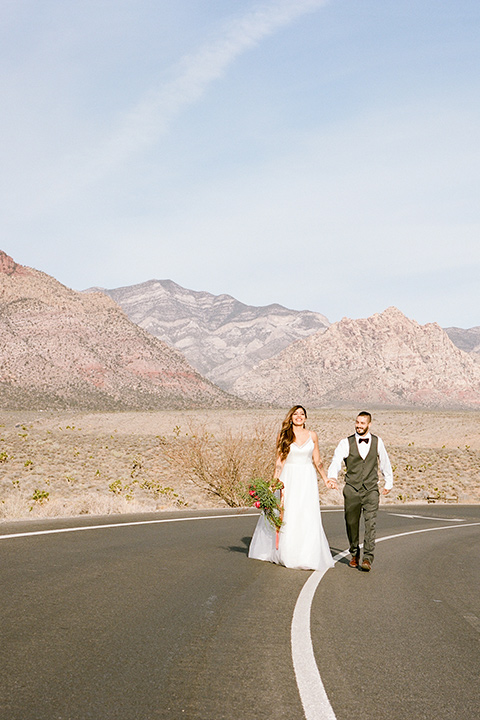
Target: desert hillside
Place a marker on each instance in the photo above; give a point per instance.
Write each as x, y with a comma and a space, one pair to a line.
62, 348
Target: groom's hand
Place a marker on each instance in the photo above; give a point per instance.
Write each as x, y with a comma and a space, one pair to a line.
332, 483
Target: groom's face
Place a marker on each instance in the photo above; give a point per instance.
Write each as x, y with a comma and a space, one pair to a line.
362, 425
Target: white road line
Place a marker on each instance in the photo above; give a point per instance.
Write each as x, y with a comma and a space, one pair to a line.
434, 529
427, 517
316, 704
57, 531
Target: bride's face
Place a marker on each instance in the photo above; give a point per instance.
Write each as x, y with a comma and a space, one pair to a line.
298, 418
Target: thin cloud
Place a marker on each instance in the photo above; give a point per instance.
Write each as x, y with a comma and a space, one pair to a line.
152, 117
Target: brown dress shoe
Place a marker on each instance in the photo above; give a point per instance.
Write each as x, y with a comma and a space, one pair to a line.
354, 561
366, 565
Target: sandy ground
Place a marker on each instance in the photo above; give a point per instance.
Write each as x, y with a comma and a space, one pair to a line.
56, 464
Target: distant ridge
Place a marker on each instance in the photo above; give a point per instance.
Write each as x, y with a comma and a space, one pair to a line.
62, 348
384, 360
467, 340
220, 336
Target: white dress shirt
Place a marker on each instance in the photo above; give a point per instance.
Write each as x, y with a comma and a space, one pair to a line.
343, 449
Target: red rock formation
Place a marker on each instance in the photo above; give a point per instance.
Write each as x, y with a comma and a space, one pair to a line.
9, 267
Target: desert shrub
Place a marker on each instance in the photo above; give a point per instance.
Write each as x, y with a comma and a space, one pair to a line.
129, 490
223, 465
40, 496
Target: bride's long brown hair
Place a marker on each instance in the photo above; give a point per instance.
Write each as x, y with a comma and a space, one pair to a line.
286, 435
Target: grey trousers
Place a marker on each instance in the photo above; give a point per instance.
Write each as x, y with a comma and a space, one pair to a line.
356, 502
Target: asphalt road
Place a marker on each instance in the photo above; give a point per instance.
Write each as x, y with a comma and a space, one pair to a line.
171, 620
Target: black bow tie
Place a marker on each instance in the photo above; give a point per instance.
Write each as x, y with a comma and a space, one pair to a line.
363, 440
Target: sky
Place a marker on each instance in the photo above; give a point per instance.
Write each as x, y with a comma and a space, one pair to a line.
320, 154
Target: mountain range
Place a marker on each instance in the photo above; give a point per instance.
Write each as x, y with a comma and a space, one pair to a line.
61, 348
240, 347
384, 360
221, 337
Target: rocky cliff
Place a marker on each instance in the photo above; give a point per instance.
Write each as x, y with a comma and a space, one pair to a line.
383, 360
60, 348
220, 336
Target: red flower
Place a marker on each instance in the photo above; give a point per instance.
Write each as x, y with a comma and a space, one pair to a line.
257, 505
252, 493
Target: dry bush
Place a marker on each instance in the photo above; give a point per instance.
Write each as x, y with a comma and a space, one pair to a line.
223, 465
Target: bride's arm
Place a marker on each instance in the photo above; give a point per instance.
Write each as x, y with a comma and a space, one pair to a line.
318, 463
279, 463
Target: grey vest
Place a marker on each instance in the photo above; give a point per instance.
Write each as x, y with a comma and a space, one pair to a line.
362, 473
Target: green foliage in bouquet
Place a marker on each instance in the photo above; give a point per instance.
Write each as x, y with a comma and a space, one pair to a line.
262, 496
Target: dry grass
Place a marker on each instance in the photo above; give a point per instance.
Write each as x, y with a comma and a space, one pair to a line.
72, 463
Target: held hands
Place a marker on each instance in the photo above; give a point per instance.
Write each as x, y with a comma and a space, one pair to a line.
331, 483
385, 491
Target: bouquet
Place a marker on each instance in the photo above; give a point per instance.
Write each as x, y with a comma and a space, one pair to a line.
262, 496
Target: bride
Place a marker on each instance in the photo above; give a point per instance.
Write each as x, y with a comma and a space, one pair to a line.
302, 543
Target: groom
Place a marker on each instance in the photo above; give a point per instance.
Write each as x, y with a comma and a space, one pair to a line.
363, 453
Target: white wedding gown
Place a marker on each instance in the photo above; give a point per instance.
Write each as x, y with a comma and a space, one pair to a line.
303, 543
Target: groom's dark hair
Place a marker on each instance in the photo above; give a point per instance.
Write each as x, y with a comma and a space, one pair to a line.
364, 413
